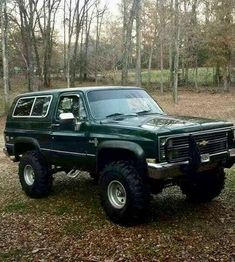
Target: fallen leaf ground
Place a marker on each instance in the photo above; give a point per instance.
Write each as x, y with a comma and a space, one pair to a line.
71, 226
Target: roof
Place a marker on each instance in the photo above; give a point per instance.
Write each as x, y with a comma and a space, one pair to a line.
74, 89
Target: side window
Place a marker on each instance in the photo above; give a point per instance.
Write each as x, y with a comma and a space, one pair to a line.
41, 106
23, 107
71, 104
32, 106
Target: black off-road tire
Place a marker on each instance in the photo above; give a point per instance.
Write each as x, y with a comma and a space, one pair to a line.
42, 184
204, 186
95, 177
137, 193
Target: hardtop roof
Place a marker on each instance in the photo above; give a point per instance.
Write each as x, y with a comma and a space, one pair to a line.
74, 89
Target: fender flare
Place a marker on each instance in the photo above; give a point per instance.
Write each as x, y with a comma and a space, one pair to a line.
26, 140
132, 147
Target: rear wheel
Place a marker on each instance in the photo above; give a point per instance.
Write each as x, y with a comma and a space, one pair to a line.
204, 186
124, 195
34, 174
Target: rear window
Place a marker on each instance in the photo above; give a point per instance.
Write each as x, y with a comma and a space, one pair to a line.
32, 106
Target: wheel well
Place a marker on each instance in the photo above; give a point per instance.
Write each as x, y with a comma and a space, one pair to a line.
23, 147
109, 155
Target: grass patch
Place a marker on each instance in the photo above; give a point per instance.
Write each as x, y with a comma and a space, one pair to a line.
73, 228
16, 207
230, 181
62, 210
205, 77
7, 256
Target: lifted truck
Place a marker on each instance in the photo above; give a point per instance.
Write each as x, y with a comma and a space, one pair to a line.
124, 139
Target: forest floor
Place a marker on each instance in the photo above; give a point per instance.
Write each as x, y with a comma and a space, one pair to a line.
70, 225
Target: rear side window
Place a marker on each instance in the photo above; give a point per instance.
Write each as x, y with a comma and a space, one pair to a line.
40, 106
24, 106
32, 106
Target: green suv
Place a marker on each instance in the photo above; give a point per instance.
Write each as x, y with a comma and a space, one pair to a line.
123, 138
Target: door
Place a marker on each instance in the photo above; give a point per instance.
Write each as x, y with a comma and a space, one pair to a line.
70, 132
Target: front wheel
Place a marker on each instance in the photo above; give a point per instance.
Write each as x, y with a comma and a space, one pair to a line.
34, 174
124, 195
203, 186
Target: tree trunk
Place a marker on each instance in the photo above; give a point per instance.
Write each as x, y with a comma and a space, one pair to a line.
217, 75
74, 59
96, 48
81, 55
150, 65
196, 76
4, 28
26, 35
186, 75
176, 52
161, 65
124, 40
65, 48
128, 25
171, 48
226, 78
87, 27
138, 44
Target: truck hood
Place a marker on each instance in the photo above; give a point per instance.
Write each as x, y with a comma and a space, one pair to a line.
166, 124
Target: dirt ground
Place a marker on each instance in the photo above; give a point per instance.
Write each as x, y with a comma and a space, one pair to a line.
71, 226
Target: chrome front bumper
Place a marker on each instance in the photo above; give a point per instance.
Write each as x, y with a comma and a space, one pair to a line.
167, 170
231, 152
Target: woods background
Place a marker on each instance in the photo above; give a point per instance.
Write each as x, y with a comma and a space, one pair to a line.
160, 44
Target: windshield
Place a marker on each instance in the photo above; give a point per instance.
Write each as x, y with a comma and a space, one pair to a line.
125, 102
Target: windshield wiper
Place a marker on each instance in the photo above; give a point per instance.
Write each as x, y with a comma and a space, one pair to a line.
114, 114
148, 112
144, 112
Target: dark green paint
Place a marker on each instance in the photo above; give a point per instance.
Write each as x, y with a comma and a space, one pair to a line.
141, 132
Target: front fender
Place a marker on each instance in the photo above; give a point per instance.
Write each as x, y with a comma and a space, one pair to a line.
132, 147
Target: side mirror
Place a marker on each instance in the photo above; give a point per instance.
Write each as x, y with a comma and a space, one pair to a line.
67, 121
66, 116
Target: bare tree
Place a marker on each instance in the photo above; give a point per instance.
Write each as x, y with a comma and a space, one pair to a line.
47, 26
127, 33
99, 20
138, 43
176, 52
161, 13
4, 28
81, 13
26, 26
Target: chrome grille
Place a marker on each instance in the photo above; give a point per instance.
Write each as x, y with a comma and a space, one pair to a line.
177, 148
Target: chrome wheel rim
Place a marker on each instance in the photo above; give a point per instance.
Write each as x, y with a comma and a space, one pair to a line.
116, 194
29, 175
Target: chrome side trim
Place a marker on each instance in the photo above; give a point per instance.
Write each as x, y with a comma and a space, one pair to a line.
67, 152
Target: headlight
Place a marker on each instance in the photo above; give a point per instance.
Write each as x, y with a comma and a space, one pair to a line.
163, 141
